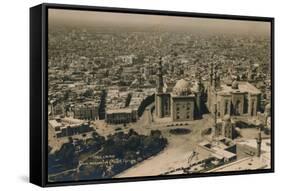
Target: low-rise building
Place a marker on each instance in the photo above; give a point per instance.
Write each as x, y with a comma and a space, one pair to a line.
87, 110
223, 149
232, 98
69, 127
119, 116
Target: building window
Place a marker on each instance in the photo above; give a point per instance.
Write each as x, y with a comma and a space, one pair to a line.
187, 117
237, 107
252, 108
166, 107
219, 109
178, 108
226, 107
178, 117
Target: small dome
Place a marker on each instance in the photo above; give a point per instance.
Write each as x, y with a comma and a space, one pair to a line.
261, 84
234, 84
267, 108
182, 87
226, 118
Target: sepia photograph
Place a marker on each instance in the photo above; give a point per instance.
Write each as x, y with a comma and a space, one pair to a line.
146, 95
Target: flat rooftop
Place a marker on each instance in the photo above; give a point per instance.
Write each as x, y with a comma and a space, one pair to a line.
249, 163
54, 123
243, 87
122, 110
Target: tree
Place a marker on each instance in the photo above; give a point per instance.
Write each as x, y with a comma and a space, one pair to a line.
88, 93
70, 140
133, 142
65, 67
66, 95
132, 132
156, 133
49, 149
147, 101
67, 156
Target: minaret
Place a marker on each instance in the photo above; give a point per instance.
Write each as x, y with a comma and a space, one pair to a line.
210, 86
52, 109
217, 83
199, 95
160, 83
215, 104
259, 140
197, 72
200, 84
250, 74
211, 74
159, 91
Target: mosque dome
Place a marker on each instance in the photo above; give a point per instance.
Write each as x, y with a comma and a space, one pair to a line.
182, 87
226, 117
234, 84
261, 84
267, 108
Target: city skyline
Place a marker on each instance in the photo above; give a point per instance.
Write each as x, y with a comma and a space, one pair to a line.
164, 101
154, 23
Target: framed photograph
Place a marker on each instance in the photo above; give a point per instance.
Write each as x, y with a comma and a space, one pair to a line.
127, 95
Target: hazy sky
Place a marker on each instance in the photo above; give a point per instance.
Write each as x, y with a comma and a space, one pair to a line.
139, 22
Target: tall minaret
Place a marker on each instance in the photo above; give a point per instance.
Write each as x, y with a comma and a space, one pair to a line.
160, 83
199, 95
259, 140
214, 83
159, 91
211, 73
217, 78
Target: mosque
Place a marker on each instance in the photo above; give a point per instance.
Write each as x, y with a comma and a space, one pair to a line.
182, 103
233, 98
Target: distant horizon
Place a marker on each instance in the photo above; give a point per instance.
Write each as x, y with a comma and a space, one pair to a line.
131, 22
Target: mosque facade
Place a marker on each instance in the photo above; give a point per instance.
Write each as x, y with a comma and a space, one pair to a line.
183, 103
233, 98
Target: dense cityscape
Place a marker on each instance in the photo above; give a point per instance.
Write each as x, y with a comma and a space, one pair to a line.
147, 103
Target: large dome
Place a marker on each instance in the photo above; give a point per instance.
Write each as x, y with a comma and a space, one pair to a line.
267, 108
182, 87
235, 85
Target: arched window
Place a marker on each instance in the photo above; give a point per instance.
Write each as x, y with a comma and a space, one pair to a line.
226, 107
237, 107
252, 107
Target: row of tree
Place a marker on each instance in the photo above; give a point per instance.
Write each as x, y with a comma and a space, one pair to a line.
107, 156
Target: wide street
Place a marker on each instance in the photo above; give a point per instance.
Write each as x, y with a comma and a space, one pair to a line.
176, 154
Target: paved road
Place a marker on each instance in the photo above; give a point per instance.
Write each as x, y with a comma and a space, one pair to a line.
175, 155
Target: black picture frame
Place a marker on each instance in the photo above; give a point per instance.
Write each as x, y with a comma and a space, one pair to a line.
39, 85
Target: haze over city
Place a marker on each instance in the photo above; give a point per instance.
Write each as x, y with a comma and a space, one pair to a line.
108, 21
134, 95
